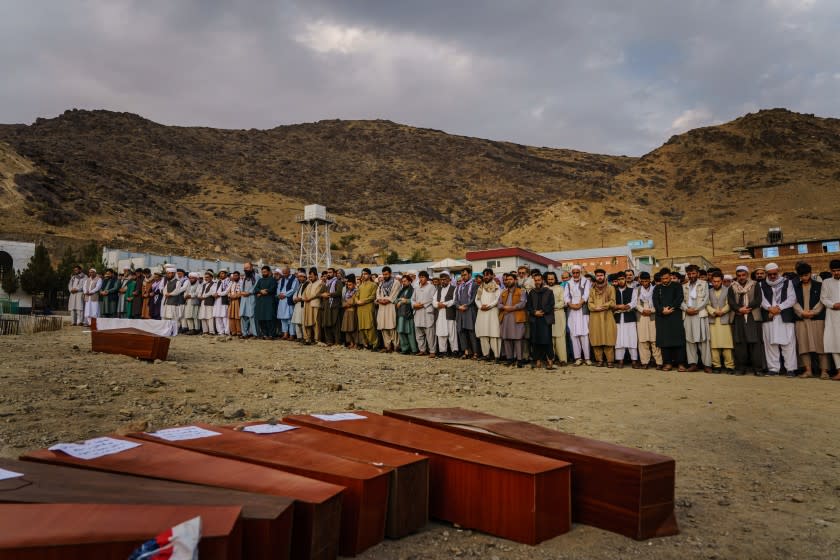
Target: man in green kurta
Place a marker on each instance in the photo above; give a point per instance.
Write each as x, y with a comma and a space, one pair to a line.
264, 311
364, 310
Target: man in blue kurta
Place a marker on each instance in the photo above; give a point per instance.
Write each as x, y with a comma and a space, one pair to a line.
287, 285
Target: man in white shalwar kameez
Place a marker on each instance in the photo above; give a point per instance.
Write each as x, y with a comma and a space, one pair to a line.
445, 328
627, 338
577, 296
76, 302
220, 305
92, 287
830, 297
777, 300
173, 295
190, 322
696, 320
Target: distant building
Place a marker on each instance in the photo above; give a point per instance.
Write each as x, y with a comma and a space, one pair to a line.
611, 259
816, 252
506, 259
802, 248
679, 263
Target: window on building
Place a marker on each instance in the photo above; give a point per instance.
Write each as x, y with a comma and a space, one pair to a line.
493, 264
770, 252
831, 246
802, 248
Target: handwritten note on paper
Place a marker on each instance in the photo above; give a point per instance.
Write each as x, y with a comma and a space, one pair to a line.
93, 448
268, 428
185, 433
339, 417
4, 474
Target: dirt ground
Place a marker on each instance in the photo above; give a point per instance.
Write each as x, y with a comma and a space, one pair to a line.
758, 459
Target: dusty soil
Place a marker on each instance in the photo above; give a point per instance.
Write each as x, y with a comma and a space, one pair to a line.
758, 474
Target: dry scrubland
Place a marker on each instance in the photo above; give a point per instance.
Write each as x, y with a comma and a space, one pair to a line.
758, 460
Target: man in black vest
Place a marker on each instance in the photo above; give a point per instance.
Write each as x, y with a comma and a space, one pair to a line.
444, 306
777, 300
625, 319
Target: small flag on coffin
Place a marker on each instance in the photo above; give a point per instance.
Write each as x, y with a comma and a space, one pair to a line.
178, 543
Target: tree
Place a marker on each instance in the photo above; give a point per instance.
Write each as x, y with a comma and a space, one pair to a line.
392, 258
90, 256
10, 282
345, 242
65, 266
39, 277
420, 255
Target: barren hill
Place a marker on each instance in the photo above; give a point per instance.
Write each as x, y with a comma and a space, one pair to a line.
133, 183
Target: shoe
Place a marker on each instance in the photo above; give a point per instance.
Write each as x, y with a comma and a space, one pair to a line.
636, 365
836, 377
520, 364
578, 362
773, 373
824, 375
666, 367
588, 363
691, 368
683, 369
610, 365
758, 373
708, 370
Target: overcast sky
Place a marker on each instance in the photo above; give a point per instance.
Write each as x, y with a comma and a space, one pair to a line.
603, 76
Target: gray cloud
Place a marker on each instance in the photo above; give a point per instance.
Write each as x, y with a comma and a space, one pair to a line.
598, 76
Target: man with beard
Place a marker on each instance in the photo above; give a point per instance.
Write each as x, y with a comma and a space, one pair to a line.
720, 333
190, 322
206, 298
487, 318
330, 305
745, 300
296, 324
173, 296
248, 326
540, 308
76, 303
92, 287
424, 315
445, 330
512, 318
465, 314
264, 294
349, 327
156, 296
386, 312
405, 317
364, 310
695, 319
558, 328
123, 280
128, 296
287, 285
110, 294
602, 331
830, 298
670, 336
777, 300
220, 304
624, 312
646, 322
311, 307
577, 295
810, 322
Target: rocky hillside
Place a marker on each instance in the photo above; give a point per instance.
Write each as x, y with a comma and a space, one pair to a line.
133, 183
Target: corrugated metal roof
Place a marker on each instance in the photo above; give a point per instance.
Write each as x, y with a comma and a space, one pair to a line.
597, 252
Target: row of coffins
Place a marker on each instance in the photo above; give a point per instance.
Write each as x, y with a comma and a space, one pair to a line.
319, 486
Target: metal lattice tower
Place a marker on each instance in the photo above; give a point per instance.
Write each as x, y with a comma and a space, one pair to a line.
315, 237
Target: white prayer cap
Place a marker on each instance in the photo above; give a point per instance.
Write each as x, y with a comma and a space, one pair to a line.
576, 267
193, 275
445, 273
742, 268
278, 271
412, 272
771, 266
170, 269
728, 276
92, 270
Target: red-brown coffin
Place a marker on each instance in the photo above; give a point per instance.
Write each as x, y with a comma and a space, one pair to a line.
110, 531
478, 485
266, 520
130, 342
317, 520
620, 489
365, 501
408, 495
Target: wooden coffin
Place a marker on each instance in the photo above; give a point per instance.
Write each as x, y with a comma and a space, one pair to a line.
110, 531
365, 502
130, 342
478, 485
620, 489
408, 493
317, 511
266, 520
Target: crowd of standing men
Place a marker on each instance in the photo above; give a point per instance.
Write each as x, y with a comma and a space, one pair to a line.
763, 322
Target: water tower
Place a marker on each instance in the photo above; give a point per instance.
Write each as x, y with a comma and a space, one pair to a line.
315, 236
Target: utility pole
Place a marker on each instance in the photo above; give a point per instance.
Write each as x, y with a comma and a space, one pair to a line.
713, 243
667, 252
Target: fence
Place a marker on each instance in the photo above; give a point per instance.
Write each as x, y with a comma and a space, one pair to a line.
29, 324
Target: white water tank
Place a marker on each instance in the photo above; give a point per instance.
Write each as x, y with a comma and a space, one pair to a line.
314, 212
